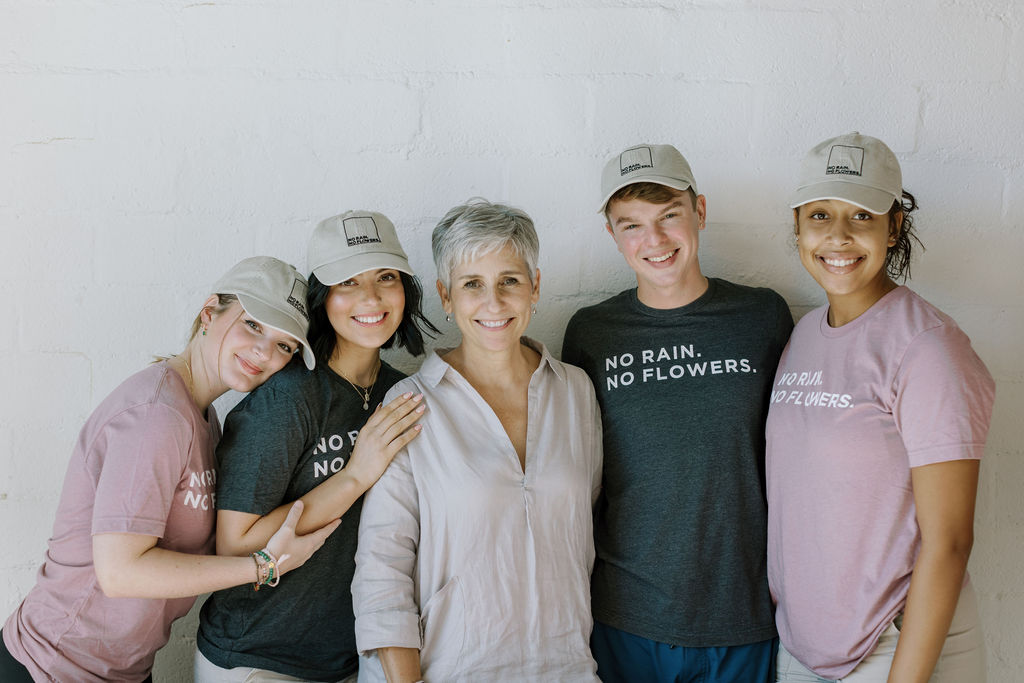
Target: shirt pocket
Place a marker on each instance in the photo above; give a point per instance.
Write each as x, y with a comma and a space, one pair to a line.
443, 631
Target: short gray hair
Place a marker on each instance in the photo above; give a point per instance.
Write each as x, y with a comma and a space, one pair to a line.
479, 227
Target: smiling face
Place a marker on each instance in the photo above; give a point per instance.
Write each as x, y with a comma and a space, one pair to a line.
844, 247
490, 299
366, 309
241, 351
659, 242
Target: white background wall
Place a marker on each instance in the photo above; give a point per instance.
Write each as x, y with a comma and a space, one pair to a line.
147, 145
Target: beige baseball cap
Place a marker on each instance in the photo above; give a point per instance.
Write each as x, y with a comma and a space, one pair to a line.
853, 168
352, 243
274, 293
661, 164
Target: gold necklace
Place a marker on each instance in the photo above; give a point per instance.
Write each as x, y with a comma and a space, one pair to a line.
364, 392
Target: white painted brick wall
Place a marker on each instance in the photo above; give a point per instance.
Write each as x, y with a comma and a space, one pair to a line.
148, 146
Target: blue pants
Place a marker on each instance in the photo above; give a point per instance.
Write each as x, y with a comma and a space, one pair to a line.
625, 658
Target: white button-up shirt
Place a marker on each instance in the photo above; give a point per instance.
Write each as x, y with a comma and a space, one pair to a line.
481, 565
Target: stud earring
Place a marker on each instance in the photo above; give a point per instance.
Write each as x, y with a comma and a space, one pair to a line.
204, 330
533, 310
448, 317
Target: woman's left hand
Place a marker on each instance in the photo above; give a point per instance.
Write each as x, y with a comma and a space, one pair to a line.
291, 549
387, 431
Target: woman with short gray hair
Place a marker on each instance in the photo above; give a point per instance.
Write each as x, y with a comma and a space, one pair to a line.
475, 547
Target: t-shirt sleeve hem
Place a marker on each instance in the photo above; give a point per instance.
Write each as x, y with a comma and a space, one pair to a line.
145, 527
948, 453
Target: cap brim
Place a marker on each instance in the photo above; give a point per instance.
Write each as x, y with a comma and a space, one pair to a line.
273, 318
674, 183
341, 270
876, 201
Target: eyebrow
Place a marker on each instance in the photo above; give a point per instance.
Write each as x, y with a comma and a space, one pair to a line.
373, 272
472, 276
628, 219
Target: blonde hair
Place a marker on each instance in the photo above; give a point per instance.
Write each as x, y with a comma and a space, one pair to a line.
224, 302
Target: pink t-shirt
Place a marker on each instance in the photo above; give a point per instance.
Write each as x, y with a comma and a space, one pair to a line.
854, 408
143, 464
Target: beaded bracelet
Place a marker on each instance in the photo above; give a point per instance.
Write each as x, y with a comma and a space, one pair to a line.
267, 573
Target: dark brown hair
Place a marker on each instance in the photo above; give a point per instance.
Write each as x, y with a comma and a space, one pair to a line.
897, 257
655, 193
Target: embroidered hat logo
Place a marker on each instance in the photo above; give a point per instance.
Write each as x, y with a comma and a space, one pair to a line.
361, 230
634, 159
297, 298
845, 160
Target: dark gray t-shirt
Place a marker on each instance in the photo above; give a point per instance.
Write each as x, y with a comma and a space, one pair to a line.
680, 525
283, 439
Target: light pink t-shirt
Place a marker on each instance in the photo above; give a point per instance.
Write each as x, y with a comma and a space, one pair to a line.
143, 464
854, 408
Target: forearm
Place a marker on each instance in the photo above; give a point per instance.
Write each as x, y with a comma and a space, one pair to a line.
160, 573
388, 430
401, 664
323, 504
132, 566
934, 590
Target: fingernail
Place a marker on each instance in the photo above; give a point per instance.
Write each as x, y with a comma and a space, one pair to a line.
419, 397
421, 409
407, 394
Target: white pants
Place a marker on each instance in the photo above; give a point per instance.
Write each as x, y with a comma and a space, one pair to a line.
962, 658
205, 671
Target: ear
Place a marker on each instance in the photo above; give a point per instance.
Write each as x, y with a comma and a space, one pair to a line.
702, 211
608, 227
796, 221
895, 227
442, 292
536, 287
206, 314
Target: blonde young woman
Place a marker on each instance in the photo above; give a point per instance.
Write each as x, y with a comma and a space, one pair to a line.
135, 525
476, 545
878, 419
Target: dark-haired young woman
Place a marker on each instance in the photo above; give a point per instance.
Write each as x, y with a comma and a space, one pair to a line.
879, 415
296, 439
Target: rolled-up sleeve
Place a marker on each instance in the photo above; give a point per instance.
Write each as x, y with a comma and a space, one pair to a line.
594, 440
383, 595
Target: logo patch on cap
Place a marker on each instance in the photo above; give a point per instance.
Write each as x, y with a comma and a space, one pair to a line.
845, 160
298, 298
634, 159
361, 230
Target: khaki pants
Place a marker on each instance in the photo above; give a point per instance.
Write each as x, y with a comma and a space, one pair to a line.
962, 659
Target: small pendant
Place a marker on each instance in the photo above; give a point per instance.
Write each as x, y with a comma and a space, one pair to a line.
366, 401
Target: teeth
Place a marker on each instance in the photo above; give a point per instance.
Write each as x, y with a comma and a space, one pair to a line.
494, 323
369, 319
839, 262
659, 259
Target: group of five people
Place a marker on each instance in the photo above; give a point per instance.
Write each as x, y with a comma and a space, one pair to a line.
693, 482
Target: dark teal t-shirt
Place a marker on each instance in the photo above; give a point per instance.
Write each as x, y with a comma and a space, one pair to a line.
280, 441
680, 525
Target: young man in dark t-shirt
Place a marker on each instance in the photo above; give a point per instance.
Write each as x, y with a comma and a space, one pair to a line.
682, 365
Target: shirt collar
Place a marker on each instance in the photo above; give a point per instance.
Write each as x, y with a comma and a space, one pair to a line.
433, 369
